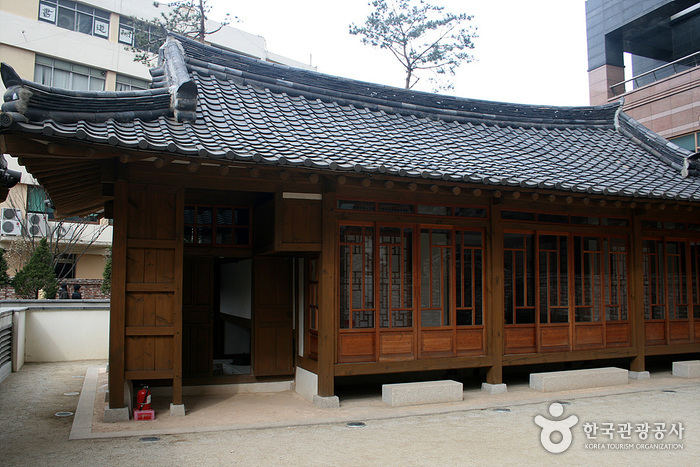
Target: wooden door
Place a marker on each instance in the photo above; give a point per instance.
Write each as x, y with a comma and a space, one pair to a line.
197, 316
145, 320
273, 314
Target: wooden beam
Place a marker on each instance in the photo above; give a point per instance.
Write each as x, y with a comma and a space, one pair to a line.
412, 186
117, 315
494, 310
366, 182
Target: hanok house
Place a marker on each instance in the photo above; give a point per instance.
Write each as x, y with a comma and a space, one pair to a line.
324, 227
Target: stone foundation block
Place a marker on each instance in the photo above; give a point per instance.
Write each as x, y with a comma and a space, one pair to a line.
177, 410
331, 402
687, 369
117, 415
494, 388
638, 375
578, 379
424, 392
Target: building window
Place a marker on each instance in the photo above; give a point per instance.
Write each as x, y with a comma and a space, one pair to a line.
690, 142
66, 75
140, 35
38, 200
127, 83
217, 226
65, 267
75, 17
583, 277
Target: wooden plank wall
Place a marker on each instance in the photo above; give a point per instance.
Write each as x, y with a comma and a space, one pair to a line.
146, 320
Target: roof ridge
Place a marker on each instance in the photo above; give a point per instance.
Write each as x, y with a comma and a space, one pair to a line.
324, 85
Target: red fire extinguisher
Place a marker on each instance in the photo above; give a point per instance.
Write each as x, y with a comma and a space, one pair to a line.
143, 399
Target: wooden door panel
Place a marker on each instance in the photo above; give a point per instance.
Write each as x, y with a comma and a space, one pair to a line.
197, 316
273, 314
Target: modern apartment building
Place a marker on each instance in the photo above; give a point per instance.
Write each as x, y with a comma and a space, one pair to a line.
648, 53
84, 45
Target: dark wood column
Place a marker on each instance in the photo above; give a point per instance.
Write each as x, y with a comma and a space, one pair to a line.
327, 327
636, 302
494, 295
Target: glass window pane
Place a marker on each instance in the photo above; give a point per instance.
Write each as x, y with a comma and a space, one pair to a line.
80, 82
84, 23
97, 84
61, 79
66, 19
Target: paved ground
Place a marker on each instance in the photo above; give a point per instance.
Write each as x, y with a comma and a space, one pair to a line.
292, 432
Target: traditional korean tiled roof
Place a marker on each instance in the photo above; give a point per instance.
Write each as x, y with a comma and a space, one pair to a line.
211, 104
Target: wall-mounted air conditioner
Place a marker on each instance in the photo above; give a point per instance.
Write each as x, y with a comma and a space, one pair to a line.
11, 222
37, 224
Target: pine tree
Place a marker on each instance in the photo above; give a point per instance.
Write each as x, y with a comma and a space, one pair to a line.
4, 278
37, 274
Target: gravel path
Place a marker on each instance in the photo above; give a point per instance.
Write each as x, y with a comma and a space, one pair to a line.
31, 434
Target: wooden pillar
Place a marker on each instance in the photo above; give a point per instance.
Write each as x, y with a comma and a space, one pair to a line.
326, 306
494, 296
118, 301
636, 301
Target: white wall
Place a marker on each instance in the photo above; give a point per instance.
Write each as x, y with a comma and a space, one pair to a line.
60, 336
60, 331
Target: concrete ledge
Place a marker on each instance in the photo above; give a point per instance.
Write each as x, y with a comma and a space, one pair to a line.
494, 388
639, 375
177, 410
331, 402
578, 379
424, 392
687, 369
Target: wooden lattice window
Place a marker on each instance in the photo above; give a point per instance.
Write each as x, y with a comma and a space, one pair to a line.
469, 277
666, 279
519, 278
218, 225
436, 250
356, 277
395, 277
695, 274
554, 278
615, 270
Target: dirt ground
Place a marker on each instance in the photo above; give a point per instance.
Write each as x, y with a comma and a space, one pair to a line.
459, 434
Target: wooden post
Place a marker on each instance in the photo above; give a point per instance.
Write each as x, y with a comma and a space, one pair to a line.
494, 296
177, 300
636, 302
326, 297
118, 301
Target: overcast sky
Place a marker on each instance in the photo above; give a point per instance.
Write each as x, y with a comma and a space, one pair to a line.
528, 51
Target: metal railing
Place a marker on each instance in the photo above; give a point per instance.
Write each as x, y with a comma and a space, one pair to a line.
651, 76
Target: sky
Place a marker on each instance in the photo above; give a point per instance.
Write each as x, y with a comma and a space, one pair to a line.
528, 51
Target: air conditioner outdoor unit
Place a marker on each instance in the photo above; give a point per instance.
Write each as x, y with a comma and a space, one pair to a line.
37, 224
11, 222
64, 231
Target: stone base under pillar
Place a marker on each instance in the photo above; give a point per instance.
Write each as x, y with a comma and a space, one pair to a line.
331, 402
639, 375
120, 414
494, 388
177, 410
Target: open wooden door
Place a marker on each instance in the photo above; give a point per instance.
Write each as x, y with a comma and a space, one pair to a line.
273, 315
197, 316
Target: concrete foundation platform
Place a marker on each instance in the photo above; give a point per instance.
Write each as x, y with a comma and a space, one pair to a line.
424, 392
687, 369
578, 379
